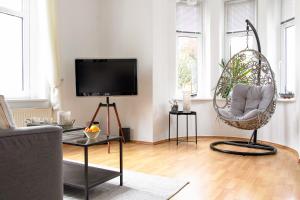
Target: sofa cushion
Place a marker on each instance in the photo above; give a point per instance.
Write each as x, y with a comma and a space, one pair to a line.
6, 119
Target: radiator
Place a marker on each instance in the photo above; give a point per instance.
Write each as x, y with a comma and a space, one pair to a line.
21, 114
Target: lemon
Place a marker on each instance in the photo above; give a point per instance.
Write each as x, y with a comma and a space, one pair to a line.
94, 129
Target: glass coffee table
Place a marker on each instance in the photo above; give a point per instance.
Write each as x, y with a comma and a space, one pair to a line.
83, 176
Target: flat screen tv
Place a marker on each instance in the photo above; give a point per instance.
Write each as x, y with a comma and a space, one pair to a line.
106, 77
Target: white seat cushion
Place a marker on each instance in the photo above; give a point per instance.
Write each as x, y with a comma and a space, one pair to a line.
6, 119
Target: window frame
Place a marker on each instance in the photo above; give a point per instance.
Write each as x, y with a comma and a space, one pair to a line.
228, 35
200, 55
283, 64
24, 16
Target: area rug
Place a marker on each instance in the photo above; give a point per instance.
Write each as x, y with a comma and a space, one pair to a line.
136, 186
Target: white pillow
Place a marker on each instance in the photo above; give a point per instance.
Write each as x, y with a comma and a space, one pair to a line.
6, 119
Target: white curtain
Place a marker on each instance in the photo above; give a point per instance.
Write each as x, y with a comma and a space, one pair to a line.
44, 59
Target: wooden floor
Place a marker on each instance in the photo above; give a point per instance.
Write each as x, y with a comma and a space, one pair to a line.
212, 175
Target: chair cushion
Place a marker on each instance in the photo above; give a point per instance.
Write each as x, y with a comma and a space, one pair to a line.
6, 119
254, 97
267, 96
238, 100
248, 102
249, 115
228, 115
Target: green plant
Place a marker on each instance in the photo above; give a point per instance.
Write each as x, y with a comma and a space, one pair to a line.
222, 63
237, 73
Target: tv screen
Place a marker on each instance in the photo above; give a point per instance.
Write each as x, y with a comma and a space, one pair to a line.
106, 77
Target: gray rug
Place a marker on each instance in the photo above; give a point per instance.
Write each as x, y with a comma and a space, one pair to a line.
137, 186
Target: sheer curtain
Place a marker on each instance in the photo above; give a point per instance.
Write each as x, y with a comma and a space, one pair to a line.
44, 53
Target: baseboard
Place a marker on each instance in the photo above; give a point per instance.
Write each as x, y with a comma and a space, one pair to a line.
159, 141
221, 138
141, 142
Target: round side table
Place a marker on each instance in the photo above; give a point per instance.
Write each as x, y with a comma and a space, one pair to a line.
178, 113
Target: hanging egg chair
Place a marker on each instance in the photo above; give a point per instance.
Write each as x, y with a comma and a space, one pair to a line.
248, 86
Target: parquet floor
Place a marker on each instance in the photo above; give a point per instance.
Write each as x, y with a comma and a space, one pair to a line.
212, 175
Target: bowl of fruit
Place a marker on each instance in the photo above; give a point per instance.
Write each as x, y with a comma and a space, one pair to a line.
92, 132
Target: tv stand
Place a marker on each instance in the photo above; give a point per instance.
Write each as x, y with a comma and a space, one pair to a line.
108, 105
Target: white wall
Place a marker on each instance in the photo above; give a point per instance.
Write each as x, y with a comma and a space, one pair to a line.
213, 42
108, 29
129, 26
146, 30
81, 34
164, 73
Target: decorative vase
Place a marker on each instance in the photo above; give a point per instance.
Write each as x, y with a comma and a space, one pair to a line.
64, 118
186, 101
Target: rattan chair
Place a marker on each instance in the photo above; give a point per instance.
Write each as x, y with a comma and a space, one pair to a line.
245, 97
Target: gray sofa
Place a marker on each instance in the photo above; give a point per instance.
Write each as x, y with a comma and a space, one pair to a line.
31, 163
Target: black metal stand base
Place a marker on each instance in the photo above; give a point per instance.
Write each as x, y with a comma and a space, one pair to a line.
252, 144
108, 105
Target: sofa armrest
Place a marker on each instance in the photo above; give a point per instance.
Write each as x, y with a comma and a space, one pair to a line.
31, 163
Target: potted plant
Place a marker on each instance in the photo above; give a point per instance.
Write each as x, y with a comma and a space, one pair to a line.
236, 72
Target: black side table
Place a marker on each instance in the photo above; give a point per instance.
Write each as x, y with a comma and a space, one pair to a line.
187, 123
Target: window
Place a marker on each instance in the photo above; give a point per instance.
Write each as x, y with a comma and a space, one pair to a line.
189, 40
288, 40
14, 49
236, 13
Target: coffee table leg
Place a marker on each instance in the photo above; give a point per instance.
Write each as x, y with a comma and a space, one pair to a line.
86, 173
121, 162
